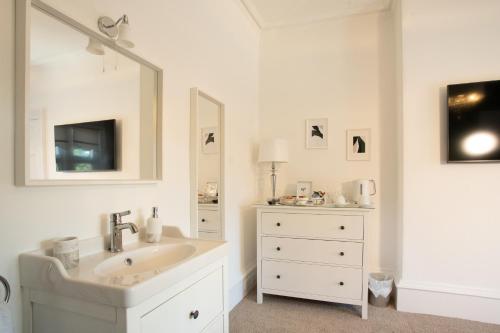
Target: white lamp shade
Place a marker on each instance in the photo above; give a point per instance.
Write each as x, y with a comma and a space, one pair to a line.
275, 150
95, 47
124, 36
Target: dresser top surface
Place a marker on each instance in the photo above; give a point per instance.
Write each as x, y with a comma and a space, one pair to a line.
328, 207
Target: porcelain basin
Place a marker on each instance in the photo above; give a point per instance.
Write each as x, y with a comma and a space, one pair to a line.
153, 259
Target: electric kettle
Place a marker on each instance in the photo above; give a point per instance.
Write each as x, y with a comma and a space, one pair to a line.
362, 192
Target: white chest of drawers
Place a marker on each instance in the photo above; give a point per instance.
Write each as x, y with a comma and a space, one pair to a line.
313, 252
209, 226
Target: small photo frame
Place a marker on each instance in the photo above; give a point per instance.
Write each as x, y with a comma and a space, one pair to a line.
317, 133
304, 189
211, 189
358, 144
209, 140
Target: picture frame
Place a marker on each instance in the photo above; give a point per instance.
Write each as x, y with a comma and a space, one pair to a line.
304, 189
209, 140
211, 189
317, 133
358, 144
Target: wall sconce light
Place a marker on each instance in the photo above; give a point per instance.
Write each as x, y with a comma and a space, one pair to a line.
119, 30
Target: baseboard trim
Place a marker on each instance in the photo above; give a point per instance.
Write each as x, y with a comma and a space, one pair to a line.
240, 289
448, 300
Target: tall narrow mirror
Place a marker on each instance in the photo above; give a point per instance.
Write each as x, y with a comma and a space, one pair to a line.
207, 166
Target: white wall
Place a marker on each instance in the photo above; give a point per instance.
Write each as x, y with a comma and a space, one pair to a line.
192, 42
451, 223
342, 70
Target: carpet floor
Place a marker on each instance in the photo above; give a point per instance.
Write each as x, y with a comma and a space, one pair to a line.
292, 315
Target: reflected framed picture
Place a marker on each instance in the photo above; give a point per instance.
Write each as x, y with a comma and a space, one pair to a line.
211, 189
304, 189
358, 144
317, 133
209, 140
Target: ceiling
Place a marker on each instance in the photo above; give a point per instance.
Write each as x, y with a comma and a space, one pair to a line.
279, 13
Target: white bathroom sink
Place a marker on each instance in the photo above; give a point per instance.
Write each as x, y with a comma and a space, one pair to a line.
122, 279
153, 259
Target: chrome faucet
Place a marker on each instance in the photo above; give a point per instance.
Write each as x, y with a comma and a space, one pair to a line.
116, 226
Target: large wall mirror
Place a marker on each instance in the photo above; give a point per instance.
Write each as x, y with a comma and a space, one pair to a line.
88, 111
207, 166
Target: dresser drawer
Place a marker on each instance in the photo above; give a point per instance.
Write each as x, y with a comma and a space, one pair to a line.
208, 220
210, 235
312, 279
177, 314
313, 225
319, 251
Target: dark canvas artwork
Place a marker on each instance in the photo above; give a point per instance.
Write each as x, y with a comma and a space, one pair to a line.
359, 145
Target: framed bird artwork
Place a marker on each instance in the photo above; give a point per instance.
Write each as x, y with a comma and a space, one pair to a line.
209, 140
358, 144
317, 133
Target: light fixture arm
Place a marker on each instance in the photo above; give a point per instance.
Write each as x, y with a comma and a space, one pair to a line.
123, 18
109, 27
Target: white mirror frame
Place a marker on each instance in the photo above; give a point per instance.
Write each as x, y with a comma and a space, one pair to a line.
22, 99
193, 165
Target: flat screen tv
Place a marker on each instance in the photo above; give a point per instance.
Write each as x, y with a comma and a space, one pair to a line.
86, 147
474, 122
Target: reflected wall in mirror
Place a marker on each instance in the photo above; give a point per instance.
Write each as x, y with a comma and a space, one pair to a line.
207, 166
92, 110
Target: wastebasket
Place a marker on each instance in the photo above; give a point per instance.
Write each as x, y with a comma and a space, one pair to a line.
380, 286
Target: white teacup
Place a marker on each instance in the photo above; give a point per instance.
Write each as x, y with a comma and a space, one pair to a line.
340, 200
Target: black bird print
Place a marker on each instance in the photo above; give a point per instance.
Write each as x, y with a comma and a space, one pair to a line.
316, 131
210, 138
359, 145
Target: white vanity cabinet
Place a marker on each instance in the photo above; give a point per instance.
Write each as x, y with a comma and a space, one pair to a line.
314, 253
196, 309
198, 304
209, 226
179, 285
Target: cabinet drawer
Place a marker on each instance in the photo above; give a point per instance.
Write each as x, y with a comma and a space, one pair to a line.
210, 235
177, 314
320, 251
313, 225
312, 279
208, 220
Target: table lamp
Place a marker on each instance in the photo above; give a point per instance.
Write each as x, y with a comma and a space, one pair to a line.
273, 151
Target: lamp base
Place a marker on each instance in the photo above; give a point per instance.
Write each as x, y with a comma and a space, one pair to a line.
273, 201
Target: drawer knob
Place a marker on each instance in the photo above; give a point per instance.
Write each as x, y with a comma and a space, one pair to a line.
278, 224
194, 314
342, 227
341, 254
203, 220
341, 283
278, 276
278, 248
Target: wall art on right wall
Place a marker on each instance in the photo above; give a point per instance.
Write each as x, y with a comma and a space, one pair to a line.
358, 144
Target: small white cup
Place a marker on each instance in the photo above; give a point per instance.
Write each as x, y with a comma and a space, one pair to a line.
340, 200
67, 250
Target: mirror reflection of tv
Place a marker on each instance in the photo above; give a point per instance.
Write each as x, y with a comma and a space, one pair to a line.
474, 122
86, 147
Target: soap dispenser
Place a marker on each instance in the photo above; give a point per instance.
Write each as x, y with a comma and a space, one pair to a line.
154, 227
